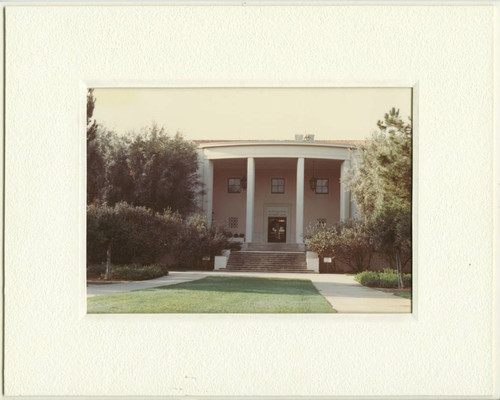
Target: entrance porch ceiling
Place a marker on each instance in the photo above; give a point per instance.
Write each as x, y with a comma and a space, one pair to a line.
278, 151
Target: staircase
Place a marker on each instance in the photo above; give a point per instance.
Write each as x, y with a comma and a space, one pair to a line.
268, 257
275, 247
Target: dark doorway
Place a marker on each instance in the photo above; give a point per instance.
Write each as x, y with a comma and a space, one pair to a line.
276, 230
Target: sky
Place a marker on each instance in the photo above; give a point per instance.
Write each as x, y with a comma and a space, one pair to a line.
251, 113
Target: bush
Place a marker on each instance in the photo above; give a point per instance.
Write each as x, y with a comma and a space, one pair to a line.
353, 245
347, 241
196, 240
132, 234
321, 239
368, 278
129, 272
385, 279
96, 271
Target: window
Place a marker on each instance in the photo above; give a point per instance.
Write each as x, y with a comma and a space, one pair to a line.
234, 185
233, 222
278, 185
322, 186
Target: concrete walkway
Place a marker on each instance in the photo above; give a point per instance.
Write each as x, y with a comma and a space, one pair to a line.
171, 279
341, 291
348, 296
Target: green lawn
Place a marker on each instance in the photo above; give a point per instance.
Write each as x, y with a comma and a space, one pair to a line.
218, 295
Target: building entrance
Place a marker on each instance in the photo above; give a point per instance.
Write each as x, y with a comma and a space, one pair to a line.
276, 230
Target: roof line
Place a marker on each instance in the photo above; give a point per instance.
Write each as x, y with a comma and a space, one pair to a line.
228, 143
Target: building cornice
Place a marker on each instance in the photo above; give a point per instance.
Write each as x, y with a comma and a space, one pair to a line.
204, 145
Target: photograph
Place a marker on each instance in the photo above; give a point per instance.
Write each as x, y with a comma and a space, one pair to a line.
249, 200
244, 200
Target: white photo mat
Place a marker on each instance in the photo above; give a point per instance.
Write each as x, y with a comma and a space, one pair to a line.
445, 52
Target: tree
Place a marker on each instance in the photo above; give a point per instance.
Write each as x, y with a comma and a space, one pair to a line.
91, 125
380, 184
148, 169
95, 153
105, 226
118, 183
391, 228
97, 148
164, 171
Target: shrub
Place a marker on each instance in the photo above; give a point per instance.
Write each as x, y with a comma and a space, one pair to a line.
320, 238
131, 272
196, 240
347, 241
368, 278
353, 245
385, 279
131, 234
96, 271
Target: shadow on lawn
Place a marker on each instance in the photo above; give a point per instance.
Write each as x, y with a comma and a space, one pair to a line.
245, 285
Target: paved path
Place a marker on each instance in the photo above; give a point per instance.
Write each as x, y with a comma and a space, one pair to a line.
341, 291
171, 279
348, 296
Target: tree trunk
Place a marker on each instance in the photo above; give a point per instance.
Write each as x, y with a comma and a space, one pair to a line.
370, 255
108, 261
399, 270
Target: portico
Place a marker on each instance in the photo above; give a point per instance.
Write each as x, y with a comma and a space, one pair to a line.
262, 191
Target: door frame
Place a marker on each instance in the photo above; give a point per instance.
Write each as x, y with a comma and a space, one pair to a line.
277, 210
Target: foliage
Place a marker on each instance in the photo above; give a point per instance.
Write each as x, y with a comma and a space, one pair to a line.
348, 242
118, 183
91, 125
132, 272
95, 160
163, 171
380, 184
388, 278
139, 235
383, 170
132, 234
353, 244
140, 190
196, 240
106, 229
321, 238
391, 229
149, 168
95, 166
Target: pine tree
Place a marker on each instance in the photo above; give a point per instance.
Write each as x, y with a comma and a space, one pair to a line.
381, 187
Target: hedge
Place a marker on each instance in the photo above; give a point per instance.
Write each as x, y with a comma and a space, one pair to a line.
128, 272
386, 279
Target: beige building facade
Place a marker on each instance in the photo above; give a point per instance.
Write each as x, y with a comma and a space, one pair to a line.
271, 191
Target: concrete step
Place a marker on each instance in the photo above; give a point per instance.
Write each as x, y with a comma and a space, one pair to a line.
285, 247
267, 261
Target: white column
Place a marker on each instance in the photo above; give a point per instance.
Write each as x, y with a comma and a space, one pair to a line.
299, 216
345, 194
250, 198
208, 180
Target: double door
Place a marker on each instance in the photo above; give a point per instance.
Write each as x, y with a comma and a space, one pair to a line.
276, 230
